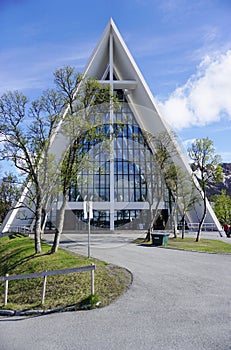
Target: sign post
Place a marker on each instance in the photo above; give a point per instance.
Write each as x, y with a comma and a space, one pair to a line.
88, 213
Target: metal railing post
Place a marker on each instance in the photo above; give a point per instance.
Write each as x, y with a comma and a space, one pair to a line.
6, 290
92, 281
44, 289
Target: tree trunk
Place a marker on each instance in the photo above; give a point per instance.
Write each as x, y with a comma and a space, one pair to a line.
44, 223
150, 229
37, 234
59, 228
174, 215
175, 228
202, 219
152, 221
183, 226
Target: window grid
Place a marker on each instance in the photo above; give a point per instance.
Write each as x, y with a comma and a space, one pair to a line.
131, 172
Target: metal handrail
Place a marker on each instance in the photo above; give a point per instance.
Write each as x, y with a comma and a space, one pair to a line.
45, 274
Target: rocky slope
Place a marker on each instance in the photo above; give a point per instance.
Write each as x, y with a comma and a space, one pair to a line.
225, 184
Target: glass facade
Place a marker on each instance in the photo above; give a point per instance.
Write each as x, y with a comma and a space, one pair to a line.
120, 168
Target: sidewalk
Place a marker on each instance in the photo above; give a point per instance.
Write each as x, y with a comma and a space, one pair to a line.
122, 236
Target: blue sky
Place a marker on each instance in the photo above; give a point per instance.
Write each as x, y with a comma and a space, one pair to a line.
183, 49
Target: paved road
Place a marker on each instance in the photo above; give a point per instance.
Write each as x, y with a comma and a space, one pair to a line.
178, 300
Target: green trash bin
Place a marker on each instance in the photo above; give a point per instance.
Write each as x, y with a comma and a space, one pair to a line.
159, 238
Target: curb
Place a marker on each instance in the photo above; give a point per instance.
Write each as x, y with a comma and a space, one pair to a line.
4, 312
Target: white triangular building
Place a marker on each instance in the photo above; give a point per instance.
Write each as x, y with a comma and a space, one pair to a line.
119, 194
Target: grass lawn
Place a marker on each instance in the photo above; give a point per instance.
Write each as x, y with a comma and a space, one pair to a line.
204, 245
17, 257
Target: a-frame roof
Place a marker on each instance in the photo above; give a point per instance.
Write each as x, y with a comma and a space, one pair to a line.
111, 53
112, 63
124, 65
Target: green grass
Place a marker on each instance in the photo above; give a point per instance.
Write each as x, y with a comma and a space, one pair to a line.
204, 245
17, 257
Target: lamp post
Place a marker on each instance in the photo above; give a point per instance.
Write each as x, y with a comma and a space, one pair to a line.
88, 213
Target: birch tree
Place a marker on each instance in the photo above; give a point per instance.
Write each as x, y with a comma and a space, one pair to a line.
206, 169
27, 130
184, 193
9, 193
163, 151
85, 99
222, 207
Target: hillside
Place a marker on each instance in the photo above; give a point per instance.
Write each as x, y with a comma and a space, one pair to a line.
225, 184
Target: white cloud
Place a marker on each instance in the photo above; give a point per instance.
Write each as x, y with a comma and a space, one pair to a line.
188, 143
205, 98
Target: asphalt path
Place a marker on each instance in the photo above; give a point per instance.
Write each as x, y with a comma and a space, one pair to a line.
178, 300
